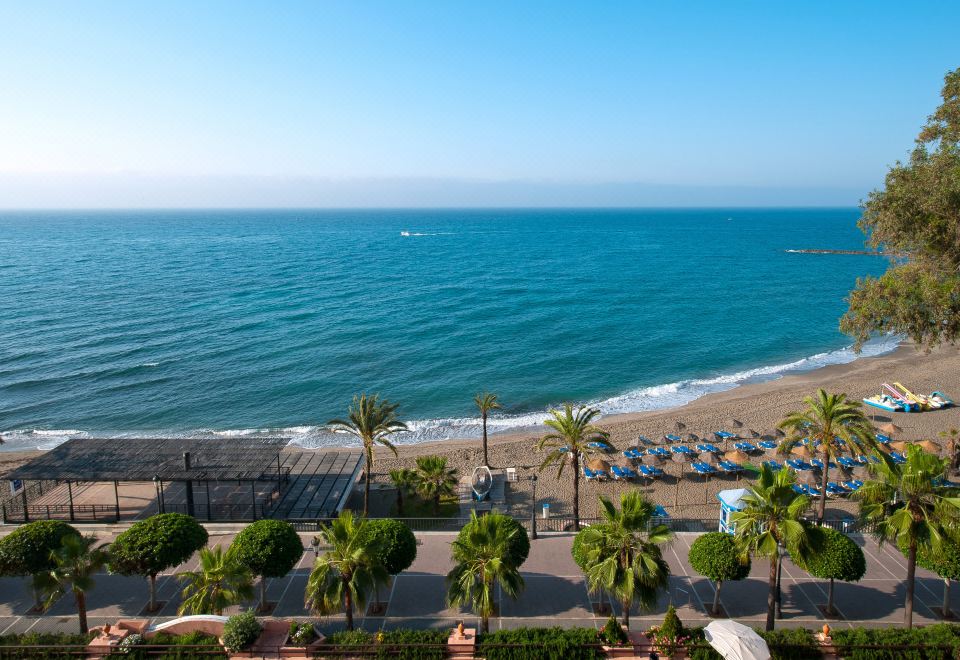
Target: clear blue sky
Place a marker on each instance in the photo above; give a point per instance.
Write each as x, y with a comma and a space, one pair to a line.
450, 103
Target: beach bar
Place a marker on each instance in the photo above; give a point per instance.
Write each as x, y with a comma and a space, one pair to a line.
731, 501
212, 479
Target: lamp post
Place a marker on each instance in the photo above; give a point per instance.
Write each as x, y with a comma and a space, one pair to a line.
533, 507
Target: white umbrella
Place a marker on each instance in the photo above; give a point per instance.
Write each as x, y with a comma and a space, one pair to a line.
734, 641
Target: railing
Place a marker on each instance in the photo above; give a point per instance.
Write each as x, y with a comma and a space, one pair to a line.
13, 513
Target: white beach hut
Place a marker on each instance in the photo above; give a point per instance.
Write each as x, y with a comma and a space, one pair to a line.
730, 501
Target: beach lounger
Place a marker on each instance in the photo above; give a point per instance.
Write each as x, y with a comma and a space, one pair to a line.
670, 437
649, 471
773, 465
883, 439
767, 444
564, 449
798, 465
836, 490
632, 454
729, 466
706, 446
599, 445
847, 462
617, 472
898, 457
723, 435
660, 512
645, 440
817, 463
746, 447
703, 468
588, 474
628, 473
852, 485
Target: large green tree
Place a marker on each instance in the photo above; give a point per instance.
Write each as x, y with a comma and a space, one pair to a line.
269, 549
75, 563
570, 438
26, 551
485, 402
345, 575
915, 219
483, 558
837, 557
838, 424
153, 545
219, 582
372, 421
945, 562
716, 557
770, 523
909, 507
624, 555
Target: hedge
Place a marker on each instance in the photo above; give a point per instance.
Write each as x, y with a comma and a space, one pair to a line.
785, 644
541, 644
940, 634
67, 645
421, 644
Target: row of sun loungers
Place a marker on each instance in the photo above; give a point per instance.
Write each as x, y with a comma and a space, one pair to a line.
833, 489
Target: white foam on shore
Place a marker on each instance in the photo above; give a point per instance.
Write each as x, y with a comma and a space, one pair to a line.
657, 397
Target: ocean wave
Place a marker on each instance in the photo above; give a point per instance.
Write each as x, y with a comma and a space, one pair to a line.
656, 397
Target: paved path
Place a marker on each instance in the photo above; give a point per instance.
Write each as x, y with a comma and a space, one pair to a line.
555, 594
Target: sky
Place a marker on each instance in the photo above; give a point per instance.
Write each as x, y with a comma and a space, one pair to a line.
360, 103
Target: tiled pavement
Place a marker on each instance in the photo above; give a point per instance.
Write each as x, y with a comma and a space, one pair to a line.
555, 593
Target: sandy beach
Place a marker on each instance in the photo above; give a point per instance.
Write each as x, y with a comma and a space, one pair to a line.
758, 406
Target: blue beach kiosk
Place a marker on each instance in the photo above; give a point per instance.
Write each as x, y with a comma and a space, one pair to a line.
730, 501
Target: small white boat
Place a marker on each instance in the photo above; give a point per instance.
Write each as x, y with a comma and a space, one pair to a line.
404, 233
481, 483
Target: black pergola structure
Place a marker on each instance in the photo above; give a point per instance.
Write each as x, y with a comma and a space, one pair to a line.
249, 470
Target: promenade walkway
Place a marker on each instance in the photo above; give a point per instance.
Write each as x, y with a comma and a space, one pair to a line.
555, 594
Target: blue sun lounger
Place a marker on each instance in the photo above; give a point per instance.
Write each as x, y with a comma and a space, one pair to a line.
729, 466
599, 445
836, 490
847, 462
659, 451
682, 449
622, 473
660, 512
852, 485
883, 439
798, 465
817, 463
672, 438
703, 468
645, 440
746, 447
767, 444
706, 446
650, 472
723, 435
773, 465
898, 457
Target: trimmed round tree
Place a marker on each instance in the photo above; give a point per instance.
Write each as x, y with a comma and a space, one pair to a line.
396, 545
519, 543
578, 552
155, 544
715, 556
27, 550
269, 549
945, 563
836, 557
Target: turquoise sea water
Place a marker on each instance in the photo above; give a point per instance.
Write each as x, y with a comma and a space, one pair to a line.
268, 321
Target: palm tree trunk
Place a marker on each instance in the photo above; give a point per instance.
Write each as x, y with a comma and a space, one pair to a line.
911, 571
436, 504
945, 610
348, 607
830, 609
576, 492
37, 603
486, 461
263, 593
771, 594
400, 502
82, 611
716, 599
366, 485
485, 623
152, 581
626, 612
823, 484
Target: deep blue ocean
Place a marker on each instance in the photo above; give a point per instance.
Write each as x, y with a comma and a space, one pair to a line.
182, 322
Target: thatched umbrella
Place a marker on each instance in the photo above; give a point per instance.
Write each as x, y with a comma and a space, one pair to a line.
929, 446
682, 457
809, 478
749, 434
598, 465
736, 456
899, 445
680, 426
803, 451
735, 424
708, 457
890, 428
691, 437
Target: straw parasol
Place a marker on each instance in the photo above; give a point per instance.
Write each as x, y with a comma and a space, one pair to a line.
929, 446
708, 457
736, 456
735, 423
598, 464
899, 445
682, 457
691, 437
748, 433
803, 451
809, 477
890, 428
680, 426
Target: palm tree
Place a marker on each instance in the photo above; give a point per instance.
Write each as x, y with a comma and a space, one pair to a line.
575, 432
372, 421
344, 575
434, 480
74, 564
953, 446
770, 523
624, 556
405, 481
838, 423
486, 402
907, 506
483, 558
219, 582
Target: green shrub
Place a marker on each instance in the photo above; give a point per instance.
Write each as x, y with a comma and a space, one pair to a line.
792, 644
412, 644
578, 552
541, 644
397, 544
672, 627
716, 557
837, 557
179, 648
63, 645
301, 634
269, 548
26, 550
937, 635
613, 633
241, 630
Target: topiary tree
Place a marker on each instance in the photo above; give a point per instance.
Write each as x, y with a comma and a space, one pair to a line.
836, 557
153, 545
519, 546
268, 549
393, 544
579, 552
716, 557
945, 563
240, 631
27, 551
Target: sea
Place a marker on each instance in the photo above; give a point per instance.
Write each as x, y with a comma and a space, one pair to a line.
267, 322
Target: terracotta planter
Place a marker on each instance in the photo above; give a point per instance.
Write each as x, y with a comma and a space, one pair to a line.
625, 651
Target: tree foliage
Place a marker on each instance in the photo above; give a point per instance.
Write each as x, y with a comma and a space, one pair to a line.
27, 549
75, 563
219, 582
153, 545
716, 557
394, 544
915, 218
435, 480
519, 545
241, 630
269, 548
837, 557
